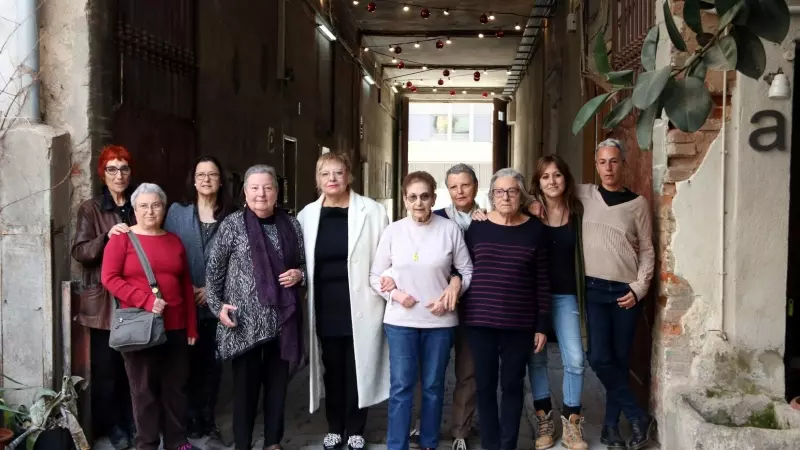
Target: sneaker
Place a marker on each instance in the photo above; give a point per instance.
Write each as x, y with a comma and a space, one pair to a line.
119, 439
459, 444
413, 438
545, 430
332, 441
355, 442
572, 436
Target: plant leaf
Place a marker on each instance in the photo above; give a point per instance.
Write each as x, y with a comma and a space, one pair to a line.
618, 113
769, 19
752, 59
649, 48
722, 55
588, 111
649, 87
672, 29
691, 15
601, 54
730, 14
698, 70
621, 78
724, 6
30, 443
706, 4
644, 125
687, 103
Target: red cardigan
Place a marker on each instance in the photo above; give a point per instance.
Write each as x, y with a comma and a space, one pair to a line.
124, 277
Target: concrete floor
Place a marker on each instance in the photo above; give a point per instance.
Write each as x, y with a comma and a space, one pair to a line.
305, 431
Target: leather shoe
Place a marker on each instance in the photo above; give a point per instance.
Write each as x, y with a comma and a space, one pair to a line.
642, 432
610, 438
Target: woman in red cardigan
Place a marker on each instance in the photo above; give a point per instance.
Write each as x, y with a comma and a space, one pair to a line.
157, 374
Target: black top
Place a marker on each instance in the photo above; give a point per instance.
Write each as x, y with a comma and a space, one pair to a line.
561, 251
207, 230
613, 198
125, 212
331, 284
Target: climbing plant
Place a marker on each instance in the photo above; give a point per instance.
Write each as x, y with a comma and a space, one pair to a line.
680, 91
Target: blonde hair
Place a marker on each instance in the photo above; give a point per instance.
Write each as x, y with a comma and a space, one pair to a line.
335, 157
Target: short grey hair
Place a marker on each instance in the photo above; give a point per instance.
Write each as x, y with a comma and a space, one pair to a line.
148, 188
524, 196
261, 168
461, 168
611, 143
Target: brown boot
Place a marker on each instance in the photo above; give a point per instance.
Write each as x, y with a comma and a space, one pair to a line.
572, 437
546, 430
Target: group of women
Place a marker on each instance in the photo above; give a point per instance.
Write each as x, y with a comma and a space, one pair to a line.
385, 303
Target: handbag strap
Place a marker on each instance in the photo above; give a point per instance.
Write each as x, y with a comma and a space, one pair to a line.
148, 271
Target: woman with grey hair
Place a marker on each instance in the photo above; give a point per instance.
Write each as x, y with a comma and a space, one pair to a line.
157, 374
506, 311
253, 277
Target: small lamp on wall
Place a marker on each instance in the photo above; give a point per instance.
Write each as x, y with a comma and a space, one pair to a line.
779, 88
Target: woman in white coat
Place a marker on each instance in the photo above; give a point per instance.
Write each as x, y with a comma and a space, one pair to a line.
346, 340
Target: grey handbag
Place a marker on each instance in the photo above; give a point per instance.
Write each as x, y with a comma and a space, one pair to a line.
135, 329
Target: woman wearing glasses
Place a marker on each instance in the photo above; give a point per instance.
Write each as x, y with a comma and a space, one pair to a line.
196, 221
507, 309
420, 316
99, 218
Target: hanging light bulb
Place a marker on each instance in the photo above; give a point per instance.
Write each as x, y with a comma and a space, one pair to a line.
394, 60
446, 12
480, 35
449, 41
508, 72
434, 89
355, 2
517, 27
391, 48
491, 16
366, 49
416, 44
424, 67
406, 8
464, 92
485, 71
492, 93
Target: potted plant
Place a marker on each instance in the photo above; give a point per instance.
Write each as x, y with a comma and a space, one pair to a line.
51, 421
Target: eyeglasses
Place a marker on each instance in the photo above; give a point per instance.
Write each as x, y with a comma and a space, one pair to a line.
114, 170
426, 197
202, 176
155, 207
331, 175
500, 193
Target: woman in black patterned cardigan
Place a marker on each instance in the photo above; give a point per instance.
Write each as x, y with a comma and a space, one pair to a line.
252, 280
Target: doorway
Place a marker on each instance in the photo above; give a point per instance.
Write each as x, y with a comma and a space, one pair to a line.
287, 190
792, 355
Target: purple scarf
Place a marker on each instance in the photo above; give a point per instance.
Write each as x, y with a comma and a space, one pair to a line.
267, 267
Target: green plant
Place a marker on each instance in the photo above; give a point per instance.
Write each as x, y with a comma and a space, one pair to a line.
681, 91
49, 410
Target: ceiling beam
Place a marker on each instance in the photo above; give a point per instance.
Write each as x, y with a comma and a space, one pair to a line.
436, 33
451, 66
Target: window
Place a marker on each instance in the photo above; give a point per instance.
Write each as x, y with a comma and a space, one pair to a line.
461, 122
461, 127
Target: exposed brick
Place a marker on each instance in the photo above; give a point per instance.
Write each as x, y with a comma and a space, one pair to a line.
683, 149
678, 174
677, 136
671, 329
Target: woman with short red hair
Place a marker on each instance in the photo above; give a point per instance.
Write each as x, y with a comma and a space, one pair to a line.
99, 218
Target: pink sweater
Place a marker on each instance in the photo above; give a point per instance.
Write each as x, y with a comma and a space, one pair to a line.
617, 240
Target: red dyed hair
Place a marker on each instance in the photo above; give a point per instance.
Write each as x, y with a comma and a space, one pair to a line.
109, 153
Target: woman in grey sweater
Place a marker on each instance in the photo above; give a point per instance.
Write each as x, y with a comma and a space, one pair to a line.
196, 221
253, 277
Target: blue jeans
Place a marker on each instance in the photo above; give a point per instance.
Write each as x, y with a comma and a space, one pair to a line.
567, 325
611, 332
416, 353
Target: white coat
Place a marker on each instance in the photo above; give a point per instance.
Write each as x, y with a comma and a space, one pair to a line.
366, 220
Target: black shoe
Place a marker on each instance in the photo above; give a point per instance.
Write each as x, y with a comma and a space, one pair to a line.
119, 439
194, 429
356, 442
132, 432
413, 439
642, 432
610, 438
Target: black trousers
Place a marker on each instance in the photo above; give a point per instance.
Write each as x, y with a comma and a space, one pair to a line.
111, 395
205, 374
341, 387
508, 351
260, 366
158, 385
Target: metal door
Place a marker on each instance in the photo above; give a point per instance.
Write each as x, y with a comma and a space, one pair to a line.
157, 74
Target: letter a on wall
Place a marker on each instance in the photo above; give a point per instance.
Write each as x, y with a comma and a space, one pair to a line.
760, 137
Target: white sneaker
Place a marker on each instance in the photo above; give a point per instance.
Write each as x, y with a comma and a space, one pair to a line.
459, 444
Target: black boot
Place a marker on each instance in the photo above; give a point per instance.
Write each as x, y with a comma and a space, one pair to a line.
610, 438
642, 432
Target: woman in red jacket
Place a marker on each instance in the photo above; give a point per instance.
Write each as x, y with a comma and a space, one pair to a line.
157, 374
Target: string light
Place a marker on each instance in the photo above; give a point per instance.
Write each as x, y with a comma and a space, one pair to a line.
391, 48
491, 16
508, 72
492, 93
449, 41
406, 8
517, 27
464, 92
434, 89
366, 49
424, 67
355, 2
394, 60
480, 35
446, 12
416, 44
